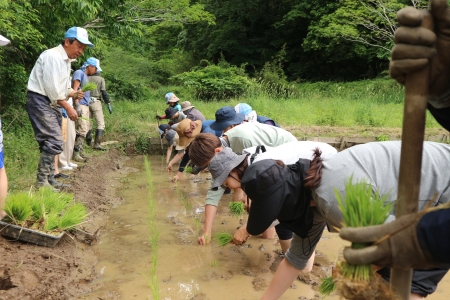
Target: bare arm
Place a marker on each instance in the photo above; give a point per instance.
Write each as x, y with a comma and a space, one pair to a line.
168, 154
210, 213
71, 112
174, 160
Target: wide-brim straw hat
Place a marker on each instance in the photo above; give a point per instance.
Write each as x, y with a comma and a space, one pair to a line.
185, 125
186, 105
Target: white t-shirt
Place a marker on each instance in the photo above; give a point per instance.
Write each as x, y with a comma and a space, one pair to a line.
288, 153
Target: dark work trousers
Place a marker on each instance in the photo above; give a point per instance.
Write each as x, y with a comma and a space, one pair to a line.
46, 122
424, 282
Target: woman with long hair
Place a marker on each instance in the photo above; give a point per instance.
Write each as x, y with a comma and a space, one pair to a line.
302, 198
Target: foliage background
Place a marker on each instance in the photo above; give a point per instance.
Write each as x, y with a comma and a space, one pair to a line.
302, 62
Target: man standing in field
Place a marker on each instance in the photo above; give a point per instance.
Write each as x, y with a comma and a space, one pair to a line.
95, 106
82, 126
48, 91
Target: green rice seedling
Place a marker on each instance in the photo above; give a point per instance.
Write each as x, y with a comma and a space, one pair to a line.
327, 286
52, 200
188, 169
213, 263
361, 207
51, 222
73, 216
90, 86
152, 278
237, 208
86, 119
18, 207
223, 238
38, 210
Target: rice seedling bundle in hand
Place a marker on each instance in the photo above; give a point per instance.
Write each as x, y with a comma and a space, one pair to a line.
223, 238
361, 207
237, 208
89, 87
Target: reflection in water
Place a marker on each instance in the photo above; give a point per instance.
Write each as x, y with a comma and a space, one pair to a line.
185, 269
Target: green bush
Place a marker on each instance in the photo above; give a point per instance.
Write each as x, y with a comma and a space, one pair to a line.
272, 79
215, 82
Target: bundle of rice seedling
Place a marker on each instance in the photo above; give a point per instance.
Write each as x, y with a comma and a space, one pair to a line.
51, 221
46, 210
327, 286
188, 169
72, 217
237, 208
89, 87
361, 207
223, 238
18, 208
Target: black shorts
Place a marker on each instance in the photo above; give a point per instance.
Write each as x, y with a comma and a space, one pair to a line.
283, 232
424, 281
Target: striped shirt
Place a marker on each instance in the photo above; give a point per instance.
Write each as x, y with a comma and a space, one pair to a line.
51, 74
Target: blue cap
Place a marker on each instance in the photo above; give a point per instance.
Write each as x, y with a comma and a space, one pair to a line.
92, 61
171, 97
226, 116
243, 108
80, 34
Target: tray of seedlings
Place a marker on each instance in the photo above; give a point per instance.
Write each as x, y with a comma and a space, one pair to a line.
41, 218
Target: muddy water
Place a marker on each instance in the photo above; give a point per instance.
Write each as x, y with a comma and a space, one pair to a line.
186, 270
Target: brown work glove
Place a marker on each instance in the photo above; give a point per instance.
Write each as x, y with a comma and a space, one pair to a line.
400, 250
416, 47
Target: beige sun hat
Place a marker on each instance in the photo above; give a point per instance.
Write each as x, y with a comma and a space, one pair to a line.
186, 105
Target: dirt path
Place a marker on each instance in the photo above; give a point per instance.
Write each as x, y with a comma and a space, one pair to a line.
30, 272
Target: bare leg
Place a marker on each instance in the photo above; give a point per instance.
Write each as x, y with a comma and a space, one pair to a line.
285, 244
269, 233
56, 164
416, 297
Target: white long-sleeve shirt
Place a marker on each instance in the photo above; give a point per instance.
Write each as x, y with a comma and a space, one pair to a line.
51, 74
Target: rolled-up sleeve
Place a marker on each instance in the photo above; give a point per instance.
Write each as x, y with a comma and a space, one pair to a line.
213, 197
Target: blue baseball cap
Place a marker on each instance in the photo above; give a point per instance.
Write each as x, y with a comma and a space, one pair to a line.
92, 61
80, 34
243, 108
226, 116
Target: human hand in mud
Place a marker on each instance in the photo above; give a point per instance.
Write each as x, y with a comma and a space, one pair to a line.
241, 235
175, 178
204, 239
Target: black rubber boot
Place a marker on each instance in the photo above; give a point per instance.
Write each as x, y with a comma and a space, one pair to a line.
89, 138
52, 181
79, 139
98, 140
44, 168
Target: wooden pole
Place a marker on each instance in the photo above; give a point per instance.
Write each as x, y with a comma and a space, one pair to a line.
413, 131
